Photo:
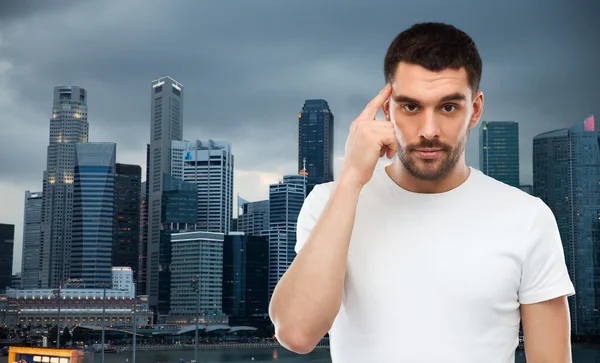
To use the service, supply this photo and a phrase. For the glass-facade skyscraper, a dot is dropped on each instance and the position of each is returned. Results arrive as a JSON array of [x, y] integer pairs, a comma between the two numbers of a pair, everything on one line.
[[68, 126], [32, 222], [93, 213], [566, 173], [126, 239], [285, 202], [178, 213], [7, 242], [499, 151], [315, 142], [245, 275]]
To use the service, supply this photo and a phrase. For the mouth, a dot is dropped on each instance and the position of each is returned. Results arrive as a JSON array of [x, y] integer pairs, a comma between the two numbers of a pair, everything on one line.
[[429, 153]]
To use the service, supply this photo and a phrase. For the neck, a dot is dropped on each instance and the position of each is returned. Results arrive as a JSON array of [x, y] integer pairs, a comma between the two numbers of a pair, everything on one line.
[[398, 173]]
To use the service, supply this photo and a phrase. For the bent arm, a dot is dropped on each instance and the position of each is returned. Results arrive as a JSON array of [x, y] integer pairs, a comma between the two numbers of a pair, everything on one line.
[[308, 297], [547, 331]]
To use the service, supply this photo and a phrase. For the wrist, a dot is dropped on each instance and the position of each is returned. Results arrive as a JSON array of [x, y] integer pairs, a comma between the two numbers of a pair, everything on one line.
[[349, 183]]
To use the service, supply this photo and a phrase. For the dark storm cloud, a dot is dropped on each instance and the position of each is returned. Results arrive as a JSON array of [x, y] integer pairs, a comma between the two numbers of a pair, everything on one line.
[[248, 68], [13, 10]]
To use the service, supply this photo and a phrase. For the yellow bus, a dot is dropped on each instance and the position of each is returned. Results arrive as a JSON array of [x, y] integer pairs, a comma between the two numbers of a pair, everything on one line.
[[44, 355]]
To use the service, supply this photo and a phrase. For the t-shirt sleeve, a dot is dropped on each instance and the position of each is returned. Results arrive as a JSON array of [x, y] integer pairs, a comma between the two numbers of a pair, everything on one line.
[[544, 271], [310, 212]]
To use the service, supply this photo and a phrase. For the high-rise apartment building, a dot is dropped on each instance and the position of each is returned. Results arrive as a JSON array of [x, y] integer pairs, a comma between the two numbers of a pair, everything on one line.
[[315, 142], [166, 125], [32, 223], [68, 127]]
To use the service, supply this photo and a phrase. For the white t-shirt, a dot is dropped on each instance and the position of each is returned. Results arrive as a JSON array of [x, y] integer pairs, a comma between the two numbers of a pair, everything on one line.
[[440, 277]]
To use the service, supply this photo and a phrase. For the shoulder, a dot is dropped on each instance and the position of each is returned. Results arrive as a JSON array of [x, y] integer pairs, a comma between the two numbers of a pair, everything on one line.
[[498, 194]]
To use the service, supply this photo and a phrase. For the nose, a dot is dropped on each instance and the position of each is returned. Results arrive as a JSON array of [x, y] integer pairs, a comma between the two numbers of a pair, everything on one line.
[[429, 126]]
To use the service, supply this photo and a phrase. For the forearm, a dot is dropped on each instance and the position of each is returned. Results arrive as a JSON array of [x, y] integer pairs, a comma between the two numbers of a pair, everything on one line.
[[308, 297]]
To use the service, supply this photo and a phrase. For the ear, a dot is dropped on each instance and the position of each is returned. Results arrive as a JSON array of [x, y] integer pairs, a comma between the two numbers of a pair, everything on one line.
[[386, 109], [477, 109]]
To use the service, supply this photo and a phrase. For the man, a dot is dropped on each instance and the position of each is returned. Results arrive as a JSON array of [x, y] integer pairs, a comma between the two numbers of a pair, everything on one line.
[[426, 259]]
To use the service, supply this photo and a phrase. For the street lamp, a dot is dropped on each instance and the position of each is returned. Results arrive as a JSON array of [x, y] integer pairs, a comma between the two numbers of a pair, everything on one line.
[[57, 295], [103, 319], [196, 289], [134, 322]]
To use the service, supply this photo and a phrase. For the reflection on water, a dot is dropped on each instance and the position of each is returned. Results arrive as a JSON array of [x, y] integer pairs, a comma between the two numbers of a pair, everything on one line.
[[280, 355], [230, 355]]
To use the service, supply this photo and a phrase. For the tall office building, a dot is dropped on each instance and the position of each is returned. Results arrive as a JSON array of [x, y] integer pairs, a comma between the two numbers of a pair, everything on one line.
[[197, 254], [499, 151], [315, 142], [126, 235], [566, 171], [165, 125], [245, 275], [209, 165], [179, 208], [285, 201], [142, 275], [93, 213], [7, 241], [254, 218], [32, 222], [68, 126]]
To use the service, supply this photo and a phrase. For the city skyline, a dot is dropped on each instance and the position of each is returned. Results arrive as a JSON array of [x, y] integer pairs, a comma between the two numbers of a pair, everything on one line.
[[252, 101]]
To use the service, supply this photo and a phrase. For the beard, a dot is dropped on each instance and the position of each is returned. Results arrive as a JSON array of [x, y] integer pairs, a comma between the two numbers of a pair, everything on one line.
[[432, 169]]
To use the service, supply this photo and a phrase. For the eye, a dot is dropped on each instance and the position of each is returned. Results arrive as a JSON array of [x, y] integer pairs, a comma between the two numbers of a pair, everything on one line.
[[449, 108], [410, 107]]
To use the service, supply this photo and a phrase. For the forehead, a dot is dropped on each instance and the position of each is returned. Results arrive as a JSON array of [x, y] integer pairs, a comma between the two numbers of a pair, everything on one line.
[[422, 84]]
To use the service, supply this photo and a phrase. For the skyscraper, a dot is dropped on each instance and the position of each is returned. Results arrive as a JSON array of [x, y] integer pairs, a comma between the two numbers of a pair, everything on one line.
[[165, 125], [126, 236], [7, 240], [32, 222], [285, 201], [93, 213], [143, 245], [197, 254], [68, 126], [566, 171], [245, 275], [315, 142], [255, 217], [499, 151], [179, 209], [209, 165]]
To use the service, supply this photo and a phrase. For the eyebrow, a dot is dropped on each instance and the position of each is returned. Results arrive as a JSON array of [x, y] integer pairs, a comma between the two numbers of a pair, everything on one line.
[[452, 97]]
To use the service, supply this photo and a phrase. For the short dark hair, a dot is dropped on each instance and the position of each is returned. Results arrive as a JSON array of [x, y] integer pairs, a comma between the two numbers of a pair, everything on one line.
[[434, 46]]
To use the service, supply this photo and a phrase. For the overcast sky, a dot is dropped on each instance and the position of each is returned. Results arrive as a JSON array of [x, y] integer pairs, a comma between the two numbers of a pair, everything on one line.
[[247, 70]]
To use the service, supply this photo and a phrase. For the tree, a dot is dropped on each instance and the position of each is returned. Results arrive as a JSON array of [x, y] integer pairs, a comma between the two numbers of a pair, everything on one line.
[[65, 336]]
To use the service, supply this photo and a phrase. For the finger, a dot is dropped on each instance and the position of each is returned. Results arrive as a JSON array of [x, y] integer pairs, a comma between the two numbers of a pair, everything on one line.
[[373, 107], [392, 148]]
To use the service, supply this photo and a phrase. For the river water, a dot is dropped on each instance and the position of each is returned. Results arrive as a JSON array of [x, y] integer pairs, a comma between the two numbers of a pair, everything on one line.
[[280, 355]]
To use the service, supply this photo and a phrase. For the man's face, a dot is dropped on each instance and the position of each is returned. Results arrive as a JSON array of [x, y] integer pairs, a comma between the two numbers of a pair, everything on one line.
[[433, 113]]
